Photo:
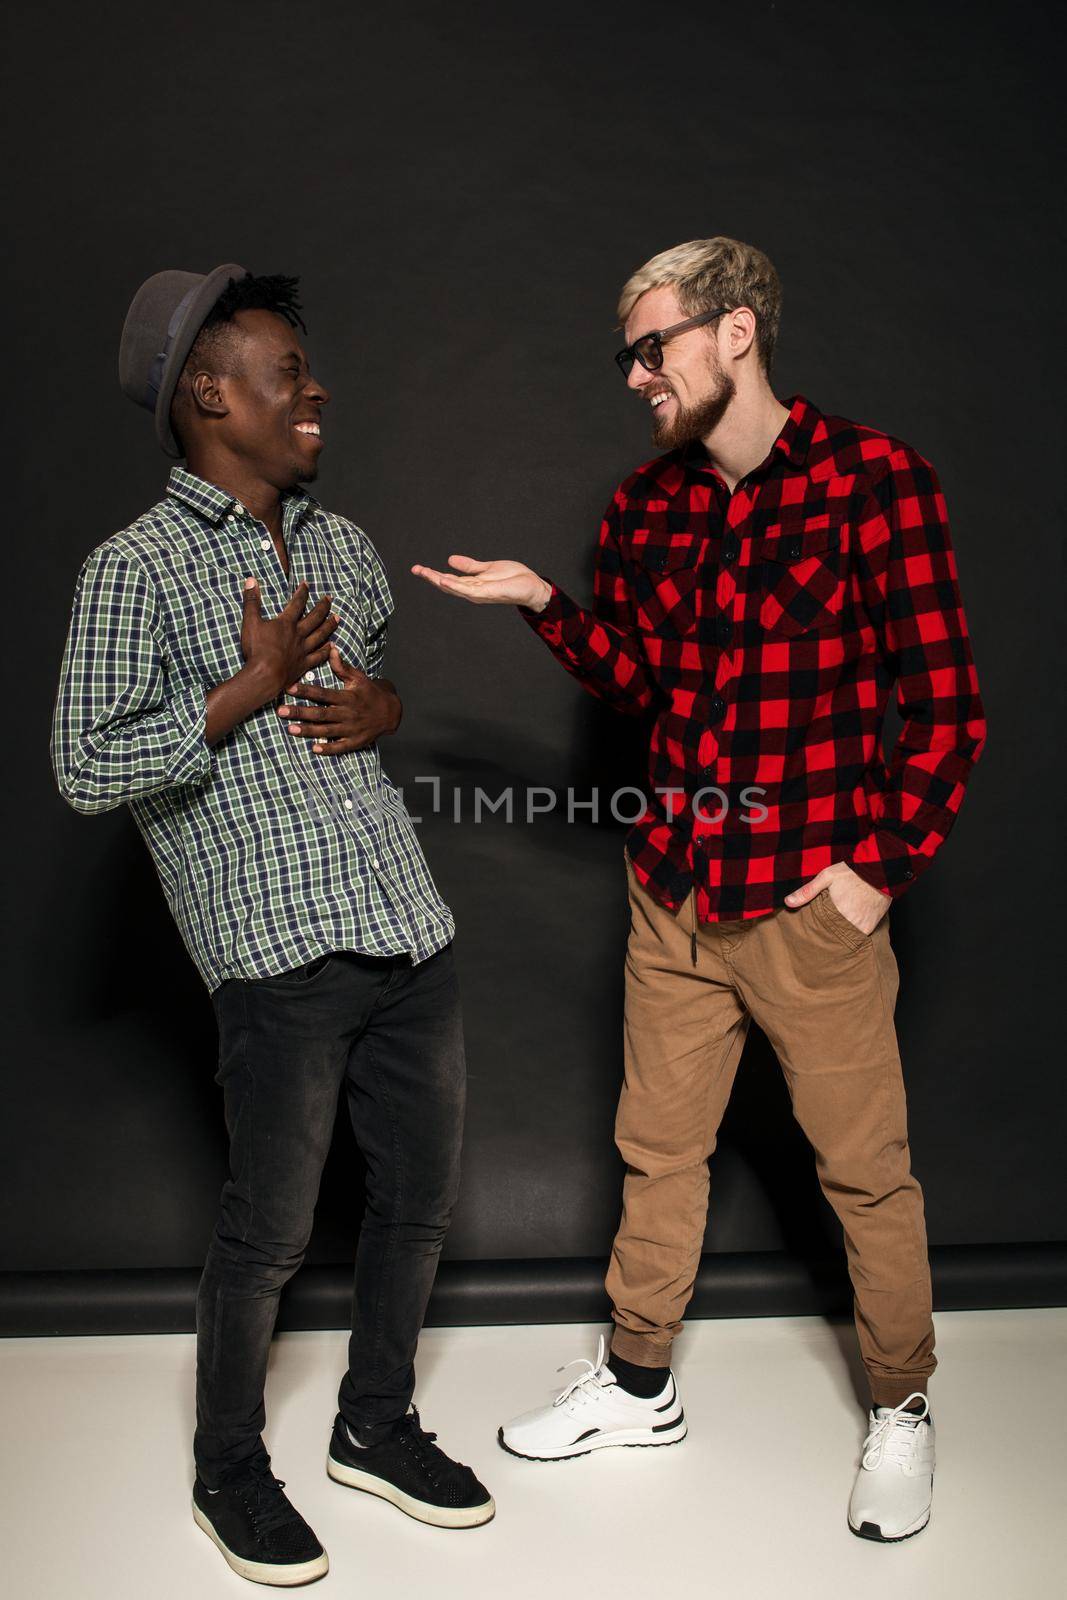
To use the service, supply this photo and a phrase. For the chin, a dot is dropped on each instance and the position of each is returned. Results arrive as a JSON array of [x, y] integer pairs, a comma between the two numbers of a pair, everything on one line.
[[695, 422], [671, 435], [303, 469]]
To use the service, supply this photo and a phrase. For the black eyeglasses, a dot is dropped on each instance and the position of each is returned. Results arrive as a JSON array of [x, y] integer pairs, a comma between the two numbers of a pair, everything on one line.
[[649, 348]]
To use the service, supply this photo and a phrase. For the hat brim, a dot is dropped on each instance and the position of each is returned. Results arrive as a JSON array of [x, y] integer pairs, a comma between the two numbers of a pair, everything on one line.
[[182, 343]]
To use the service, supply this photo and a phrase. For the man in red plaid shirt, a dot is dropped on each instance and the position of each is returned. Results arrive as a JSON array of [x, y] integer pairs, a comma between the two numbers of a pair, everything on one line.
[[760, 591]]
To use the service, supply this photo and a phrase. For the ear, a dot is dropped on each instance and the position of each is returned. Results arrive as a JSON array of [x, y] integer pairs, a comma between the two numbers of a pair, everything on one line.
[[738, 330], [208, 393]]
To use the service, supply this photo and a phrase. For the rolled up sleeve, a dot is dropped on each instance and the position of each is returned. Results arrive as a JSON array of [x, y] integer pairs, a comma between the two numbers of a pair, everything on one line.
[[120, 727]]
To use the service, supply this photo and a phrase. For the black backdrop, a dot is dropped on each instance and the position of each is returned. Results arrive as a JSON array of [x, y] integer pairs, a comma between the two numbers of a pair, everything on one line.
[[463, 189]]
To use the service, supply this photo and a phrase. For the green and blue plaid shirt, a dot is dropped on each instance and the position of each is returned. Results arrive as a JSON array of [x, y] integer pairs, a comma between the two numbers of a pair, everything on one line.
[[269, 855]]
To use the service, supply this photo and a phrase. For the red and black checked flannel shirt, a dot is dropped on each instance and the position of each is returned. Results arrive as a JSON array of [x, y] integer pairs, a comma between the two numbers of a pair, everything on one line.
[[765, 630]]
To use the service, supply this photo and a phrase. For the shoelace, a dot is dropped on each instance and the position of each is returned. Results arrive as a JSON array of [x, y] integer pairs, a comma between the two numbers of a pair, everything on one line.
[[267, 1504], [892, 1438], [587, 1385], [428, 1454]]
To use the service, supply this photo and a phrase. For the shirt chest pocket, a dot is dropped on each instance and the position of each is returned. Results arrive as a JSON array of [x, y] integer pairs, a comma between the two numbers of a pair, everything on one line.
[[666, 571], [800, 576], [204, 624], [207, 626]]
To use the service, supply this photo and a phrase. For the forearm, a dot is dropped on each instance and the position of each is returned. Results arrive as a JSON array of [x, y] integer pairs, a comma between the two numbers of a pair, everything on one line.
[[909, 582], [605, 658], [104, 764], [911, 817], [235, 700], [106, 761]]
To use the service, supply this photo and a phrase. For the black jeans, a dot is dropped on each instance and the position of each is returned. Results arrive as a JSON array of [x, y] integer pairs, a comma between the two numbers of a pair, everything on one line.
[[391, 1034]]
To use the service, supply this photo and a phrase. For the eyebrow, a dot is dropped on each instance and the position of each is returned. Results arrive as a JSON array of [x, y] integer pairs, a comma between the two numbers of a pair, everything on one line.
[[291, 355]]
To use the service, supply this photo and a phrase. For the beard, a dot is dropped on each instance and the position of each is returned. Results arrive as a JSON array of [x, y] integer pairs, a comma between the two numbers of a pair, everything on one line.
[[697, 421]]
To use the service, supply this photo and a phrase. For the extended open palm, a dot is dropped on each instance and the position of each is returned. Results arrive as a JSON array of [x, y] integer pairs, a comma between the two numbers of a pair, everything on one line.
[[489, 583]]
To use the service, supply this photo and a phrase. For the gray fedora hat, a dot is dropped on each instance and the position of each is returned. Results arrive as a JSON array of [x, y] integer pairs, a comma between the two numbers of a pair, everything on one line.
[[161, 326]]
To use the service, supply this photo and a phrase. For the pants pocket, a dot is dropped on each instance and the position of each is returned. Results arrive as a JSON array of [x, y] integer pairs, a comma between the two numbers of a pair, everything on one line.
[[837, 922], [305, 974]]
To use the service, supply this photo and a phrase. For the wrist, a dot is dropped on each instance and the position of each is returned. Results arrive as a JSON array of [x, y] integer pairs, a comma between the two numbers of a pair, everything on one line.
[[256, 685], [231, 702], [542, 597]]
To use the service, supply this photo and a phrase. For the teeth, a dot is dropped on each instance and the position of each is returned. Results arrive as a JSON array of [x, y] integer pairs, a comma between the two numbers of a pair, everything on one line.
[[308, 427], [658, 399]]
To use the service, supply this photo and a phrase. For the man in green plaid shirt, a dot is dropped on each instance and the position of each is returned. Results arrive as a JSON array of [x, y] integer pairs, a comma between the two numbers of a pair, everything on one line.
[[223, 677]]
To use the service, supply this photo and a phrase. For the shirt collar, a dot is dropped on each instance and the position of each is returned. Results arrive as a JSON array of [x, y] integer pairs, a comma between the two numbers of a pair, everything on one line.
[[793, 441], [213, 503], [798, 430]]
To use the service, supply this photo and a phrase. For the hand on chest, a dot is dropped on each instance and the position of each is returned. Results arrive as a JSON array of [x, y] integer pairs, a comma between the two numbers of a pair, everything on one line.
[[206, 614]]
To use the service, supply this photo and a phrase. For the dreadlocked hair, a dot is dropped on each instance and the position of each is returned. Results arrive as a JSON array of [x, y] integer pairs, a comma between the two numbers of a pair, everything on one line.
[[215, 346], [274, 292]]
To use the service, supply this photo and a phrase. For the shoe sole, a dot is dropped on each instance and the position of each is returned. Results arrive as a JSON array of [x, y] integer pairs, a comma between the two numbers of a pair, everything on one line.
[[421, 1510], [279, 1577], [633, 1439]]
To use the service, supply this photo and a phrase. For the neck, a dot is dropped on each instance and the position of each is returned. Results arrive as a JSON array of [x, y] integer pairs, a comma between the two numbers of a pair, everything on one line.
[[746, 432], [262, 499]]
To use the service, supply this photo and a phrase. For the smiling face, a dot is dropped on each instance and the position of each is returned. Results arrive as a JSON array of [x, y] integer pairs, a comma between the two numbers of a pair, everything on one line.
[[265, 410], [690, 393]]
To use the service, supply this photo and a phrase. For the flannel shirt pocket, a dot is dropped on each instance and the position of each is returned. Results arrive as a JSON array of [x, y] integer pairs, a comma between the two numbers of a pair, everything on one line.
[[802, 578], [666, 581]]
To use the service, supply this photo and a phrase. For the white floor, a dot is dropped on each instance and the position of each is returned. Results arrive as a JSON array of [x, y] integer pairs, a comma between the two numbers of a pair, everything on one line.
[[96, 1471]]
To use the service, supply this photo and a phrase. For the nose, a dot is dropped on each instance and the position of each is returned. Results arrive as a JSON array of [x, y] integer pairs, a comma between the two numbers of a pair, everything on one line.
[[639, 378], [317, 392]]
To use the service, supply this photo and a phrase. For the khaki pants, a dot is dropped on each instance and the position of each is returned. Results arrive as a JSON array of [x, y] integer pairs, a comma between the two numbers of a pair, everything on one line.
[[823, 993]]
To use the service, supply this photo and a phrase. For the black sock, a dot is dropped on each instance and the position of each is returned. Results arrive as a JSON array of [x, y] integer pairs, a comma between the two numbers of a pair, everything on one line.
[[643, 1382], [911, 1411]]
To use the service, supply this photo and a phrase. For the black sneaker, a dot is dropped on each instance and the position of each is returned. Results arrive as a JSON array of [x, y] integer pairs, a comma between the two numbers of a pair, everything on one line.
[[261, 1535], [411, 1472]]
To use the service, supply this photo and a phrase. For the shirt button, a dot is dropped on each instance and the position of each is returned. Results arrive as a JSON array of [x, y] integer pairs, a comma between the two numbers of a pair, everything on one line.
[[348, 805], [264, 544], [375, 863], [731, 550], [724, 630], [717, 708]]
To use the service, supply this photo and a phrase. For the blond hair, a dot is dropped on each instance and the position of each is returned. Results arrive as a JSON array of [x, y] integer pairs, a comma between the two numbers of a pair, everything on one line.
[[714, 272]]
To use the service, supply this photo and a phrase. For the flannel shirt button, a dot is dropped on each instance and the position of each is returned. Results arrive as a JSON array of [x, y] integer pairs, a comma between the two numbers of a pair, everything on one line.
[[792, 549], [656, 559], [908, 872], [731, 550], [264, 544], [724, 630], [348, 805], [716, 708]]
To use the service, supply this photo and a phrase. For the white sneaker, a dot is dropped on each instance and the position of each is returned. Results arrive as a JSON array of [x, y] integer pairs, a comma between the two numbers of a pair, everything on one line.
[[895, 1483], [593, 1412]]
